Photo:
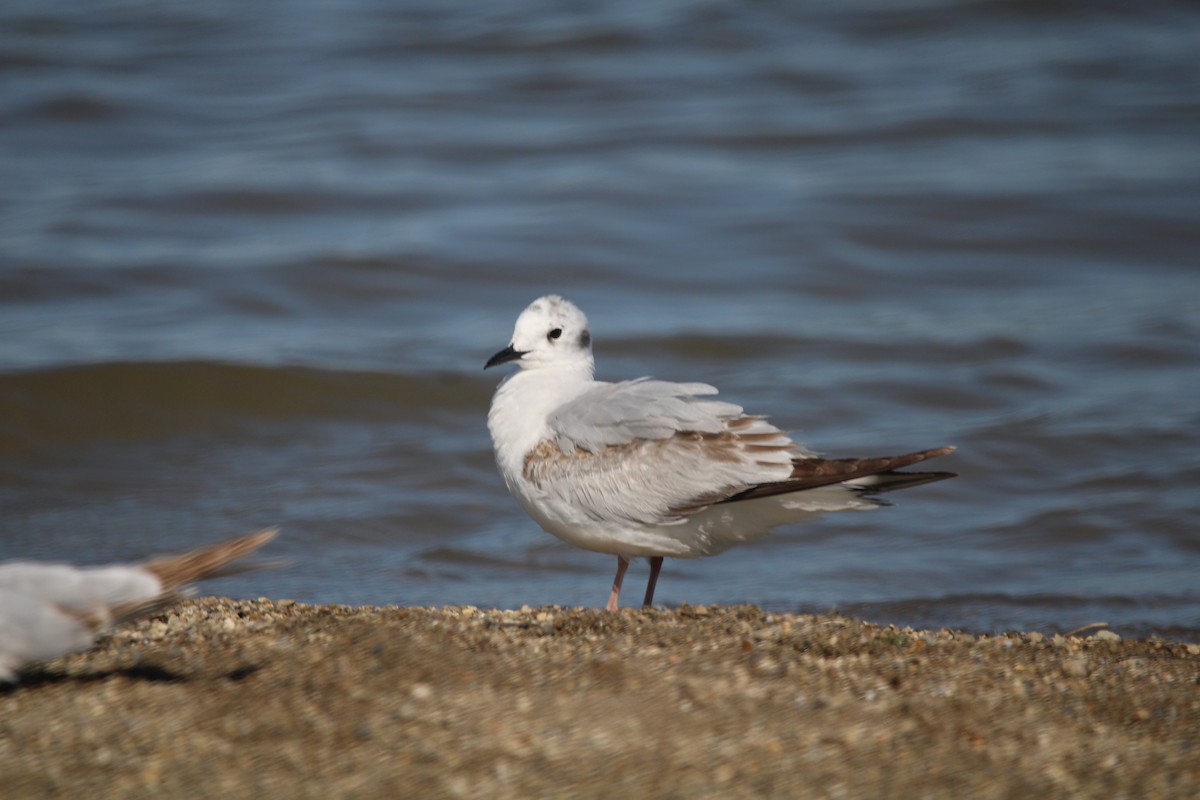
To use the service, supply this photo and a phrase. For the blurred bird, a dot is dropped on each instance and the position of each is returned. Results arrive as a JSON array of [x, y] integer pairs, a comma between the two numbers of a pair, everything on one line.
[[49, 609]]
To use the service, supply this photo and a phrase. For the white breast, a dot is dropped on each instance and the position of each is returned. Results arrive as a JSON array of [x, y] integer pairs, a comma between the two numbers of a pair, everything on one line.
[[520, 408]]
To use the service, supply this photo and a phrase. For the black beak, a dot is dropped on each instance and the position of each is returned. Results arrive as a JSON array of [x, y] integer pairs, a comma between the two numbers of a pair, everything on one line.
[[504, 356]]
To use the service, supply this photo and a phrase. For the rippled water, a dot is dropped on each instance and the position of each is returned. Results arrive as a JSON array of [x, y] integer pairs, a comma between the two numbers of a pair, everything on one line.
[[252, 258]]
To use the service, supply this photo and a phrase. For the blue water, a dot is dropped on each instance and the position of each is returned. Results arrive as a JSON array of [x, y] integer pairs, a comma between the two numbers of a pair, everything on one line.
[[252, 259]]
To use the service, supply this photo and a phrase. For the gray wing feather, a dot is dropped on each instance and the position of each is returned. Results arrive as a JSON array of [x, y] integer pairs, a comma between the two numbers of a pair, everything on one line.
[[652, 452], [621, 413]]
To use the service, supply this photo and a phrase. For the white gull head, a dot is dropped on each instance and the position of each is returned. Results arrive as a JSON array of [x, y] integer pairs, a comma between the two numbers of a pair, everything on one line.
[[550, 333]]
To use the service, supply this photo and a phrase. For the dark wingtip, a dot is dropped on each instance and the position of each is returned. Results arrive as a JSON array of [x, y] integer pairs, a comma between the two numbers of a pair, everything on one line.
[[891, 481]]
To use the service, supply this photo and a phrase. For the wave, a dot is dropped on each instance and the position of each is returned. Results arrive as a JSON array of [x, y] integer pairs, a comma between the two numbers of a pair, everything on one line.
[[146, 399], [1150, 614]]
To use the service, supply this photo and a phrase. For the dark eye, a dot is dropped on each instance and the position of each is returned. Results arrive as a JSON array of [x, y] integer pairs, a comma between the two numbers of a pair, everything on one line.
[[554, 334]]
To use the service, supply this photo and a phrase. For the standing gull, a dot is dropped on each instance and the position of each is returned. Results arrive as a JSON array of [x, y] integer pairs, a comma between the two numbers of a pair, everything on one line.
[[652, 468], [48, 610]]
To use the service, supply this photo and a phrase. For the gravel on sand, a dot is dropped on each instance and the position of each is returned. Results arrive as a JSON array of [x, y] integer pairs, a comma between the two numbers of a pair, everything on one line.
[[222, 698]]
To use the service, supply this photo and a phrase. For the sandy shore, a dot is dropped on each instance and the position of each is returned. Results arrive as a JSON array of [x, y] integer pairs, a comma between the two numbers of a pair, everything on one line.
[[222, 698]]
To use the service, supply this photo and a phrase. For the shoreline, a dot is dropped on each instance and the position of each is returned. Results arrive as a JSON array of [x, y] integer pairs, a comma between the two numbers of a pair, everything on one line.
[[216, 698]]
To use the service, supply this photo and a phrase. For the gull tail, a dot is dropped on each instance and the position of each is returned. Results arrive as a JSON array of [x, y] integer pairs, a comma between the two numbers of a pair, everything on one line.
[[868, 475]]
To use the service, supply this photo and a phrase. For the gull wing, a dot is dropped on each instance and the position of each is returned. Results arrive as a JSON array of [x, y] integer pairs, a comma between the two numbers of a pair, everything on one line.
[[651, 452], [870, 475], [622, 413]]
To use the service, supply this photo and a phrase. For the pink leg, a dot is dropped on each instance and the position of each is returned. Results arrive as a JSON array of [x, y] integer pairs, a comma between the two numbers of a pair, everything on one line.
[[622, 565], [655, 568]]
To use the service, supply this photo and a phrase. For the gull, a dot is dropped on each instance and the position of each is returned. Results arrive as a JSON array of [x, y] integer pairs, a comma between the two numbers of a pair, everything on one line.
[[51, 609], [649, 468]]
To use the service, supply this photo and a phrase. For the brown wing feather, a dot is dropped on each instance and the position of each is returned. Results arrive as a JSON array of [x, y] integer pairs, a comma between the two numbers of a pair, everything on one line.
[[206, 562], [811, 473]]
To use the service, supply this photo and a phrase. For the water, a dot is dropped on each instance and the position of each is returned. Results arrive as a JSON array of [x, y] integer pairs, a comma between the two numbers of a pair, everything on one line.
[[253, 256]]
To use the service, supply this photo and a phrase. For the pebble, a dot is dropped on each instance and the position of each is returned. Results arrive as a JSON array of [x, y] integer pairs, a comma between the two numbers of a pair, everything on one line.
[[1076, 667]]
